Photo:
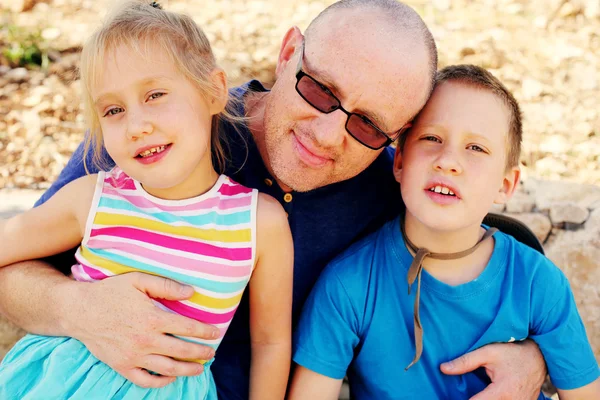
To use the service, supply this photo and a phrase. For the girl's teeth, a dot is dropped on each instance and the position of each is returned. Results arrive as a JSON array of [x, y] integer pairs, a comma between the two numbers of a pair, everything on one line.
[[445, 191], [442, 190], [152, 151]]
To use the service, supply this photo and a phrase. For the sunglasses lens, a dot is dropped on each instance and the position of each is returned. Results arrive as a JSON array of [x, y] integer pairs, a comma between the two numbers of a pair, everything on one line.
[[364, 132], [316, 96]]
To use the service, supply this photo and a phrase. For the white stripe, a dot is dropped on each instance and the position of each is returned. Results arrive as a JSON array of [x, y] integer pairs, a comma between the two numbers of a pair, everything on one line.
[[180, 253]]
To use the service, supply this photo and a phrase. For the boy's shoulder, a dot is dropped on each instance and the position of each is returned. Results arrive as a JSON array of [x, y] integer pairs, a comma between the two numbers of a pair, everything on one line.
[[528, 263]]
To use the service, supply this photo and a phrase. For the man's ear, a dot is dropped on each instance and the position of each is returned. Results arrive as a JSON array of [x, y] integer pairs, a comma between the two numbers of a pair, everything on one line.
[[398, 164], [219, 100], [291, 41], [509, 185]]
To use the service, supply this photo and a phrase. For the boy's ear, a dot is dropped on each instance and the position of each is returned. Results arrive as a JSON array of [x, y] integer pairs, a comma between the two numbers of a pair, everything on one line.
[[219, 101], [509, 184], [398, 164], [292, 39]]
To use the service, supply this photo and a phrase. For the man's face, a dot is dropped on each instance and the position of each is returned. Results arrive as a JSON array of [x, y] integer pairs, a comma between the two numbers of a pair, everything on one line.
[[379, 75], [453, 165]]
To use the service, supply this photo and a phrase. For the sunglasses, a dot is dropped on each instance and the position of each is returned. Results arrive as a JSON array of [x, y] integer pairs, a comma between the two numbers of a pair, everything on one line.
[[358, 126]]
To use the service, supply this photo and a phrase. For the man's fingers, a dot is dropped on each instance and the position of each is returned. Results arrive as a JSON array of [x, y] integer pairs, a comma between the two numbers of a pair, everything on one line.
[[161, 288], [170, 368], [179, 325], [467, 362], [177, 348], [145, 379]]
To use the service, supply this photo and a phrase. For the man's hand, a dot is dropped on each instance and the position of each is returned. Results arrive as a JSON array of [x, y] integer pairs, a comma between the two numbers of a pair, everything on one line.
[[121, 326], [517, 370]]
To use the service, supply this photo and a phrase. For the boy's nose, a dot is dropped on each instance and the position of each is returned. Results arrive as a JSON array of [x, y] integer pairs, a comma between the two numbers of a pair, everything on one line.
[[448, 162]]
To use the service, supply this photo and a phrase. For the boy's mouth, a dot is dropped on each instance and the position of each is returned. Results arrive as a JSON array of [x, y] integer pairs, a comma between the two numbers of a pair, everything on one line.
[[442, 190]]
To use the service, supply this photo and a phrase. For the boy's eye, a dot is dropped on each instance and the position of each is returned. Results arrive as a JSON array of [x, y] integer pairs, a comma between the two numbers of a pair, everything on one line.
[[113, 111], [431, 138]]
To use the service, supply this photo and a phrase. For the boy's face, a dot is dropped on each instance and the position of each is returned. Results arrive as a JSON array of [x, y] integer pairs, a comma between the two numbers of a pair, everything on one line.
[[458, 146]]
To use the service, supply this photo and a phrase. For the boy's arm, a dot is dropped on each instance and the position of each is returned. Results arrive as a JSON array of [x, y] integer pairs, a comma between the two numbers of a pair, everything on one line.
[[307, 384], [587, 392], [271, 303], [56, 226]]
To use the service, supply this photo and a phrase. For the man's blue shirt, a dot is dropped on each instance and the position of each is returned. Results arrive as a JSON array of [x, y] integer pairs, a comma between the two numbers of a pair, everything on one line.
[[359, 320], [323, 222]]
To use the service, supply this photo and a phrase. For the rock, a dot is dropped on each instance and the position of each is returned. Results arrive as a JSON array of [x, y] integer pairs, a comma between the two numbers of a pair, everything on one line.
[[520, 203], [577, 254], [568, 213], [548, 192], [538, 223], [554, 144], [531, 88], [17, 75]]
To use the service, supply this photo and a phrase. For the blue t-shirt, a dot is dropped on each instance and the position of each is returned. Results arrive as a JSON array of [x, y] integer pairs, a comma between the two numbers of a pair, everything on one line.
[[323, 222], [358, 320]]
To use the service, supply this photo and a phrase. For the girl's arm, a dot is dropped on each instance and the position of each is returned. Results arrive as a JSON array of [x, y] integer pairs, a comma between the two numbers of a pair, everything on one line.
[[271, 303], [587, 392], [51, 228]]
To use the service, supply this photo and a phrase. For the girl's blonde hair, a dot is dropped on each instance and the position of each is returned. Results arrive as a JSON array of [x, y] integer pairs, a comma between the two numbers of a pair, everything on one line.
[[138, 24]]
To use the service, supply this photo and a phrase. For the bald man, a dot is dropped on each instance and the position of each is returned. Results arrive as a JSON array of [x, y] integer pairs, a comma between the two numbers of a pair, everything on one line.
[[317, 142]]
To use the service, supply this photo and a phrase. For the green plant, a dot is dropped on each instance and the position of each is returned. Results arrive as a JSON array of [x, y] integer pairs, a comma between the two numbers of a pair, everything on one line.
[[24, 48]]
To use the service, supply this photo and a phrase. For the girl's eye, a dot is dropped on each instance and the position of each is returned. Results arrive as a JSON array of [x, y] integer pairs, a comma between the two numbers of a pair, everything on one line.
[[156, 95], [476, 148], [113, 111]]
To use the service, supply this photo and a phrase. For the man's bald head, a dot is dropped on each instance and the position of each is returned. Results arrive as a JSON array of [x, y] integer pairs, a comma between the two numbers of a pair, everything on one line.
[[394, 18]]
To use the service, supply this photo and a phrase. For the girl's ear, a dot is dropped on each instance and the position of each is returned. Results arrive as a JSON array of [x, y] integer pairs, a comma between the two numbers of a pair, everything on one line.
[[509, 184], [398, 164], [219, 101]]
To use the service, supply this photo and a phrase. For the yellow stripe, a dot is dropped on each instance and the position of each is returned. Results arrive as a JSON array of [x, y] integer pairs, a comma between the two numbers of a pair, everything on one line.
[[111, 266], [197, 298], [211, 302], [233, 236]]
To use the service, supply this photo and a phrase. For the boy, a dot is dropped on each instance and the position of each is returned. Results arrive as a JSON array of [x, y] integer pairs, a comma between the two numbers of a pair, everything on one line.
[[468, 285]]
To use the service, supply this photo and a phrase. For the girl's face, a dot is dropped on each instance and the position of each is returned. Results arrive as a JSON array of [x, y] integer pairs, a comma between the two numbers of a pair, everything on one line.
[[156, 124]]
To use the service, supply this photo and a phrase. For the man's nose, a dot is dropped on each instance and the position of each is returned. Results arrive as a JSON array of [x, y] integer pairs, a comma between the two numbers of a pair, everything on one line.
[[448, 161], [330, 129], [138, 124]]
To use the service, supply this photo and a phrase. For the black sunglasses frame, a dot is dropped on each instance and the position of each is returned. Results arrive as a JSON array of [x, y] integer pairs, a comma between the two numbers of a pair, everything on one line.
[[389, 138]]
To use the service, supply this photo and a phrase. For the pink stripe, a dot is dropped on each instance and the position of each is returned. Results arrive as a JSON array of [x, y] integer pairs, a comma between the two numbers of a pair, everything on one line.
[[173, 260], [92, 272], [120, 181], [200, 315], [156, 239], [222, 204], [228, 190]]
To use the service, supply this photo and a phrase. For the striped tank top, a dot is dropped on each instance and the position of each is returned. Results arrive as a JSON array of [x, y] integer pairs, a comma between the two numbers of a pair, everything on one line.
[[208, 242]]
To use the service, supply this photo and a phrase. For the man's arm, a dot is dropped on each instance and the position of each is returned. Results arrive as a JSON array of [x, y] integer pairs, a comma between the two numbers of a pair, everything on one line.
[[517, 370]]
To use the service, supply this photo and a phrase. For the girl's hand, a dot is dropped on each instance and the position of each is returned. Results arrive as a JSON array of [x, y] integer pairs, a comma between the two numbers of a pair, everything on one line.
[[121, 326]]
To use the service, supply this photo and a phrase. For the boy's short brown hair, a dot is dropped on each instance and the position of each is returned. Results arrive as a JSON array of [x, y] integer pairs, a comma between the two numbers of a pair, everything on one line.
[[481, 78]]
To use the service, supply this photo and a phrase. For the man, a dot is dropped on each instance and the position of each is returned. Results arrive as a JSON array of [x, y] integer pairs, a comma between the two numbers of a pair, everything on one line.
[[317, 143]]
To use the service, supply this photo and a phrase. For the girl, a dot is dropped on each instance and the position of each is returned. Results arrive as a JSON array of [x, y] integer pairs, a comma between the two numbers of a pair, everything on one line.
[[153, 96]]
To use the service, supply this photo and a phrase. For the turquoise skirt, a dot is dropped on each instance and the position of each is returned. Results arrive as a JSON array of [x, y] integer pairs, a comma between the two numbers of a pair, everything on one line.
[[44, 367]]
